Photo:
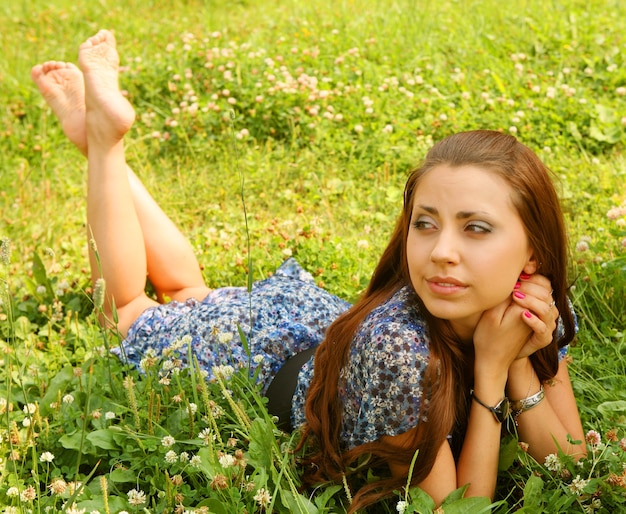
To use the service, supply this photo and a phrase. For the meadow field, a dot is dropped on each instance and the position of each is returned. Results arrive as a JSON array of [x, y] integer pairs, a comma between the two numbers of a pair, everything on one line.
[[270, 129]]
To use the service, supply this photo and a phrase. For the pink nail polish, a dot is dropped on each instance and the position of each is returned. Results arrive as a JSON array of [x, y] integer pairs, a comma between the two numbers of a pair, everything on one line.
[[519, 294], [524, 276], [518, 285], [528, 314]]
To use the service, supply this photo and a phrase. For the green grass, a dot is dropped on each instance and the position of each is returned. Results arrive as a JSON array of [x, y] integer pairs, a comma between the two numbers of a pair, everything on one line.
[[323, 180]]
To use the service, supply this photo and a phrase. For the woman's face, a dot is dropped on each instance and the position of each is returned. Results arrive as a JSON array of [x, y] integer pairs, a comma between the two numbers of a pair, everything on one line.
[[466, 246]]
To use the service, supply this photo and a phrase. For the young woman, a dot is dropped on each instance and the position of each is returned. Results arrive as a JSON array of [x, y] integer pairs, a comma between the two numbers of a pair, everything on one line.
[[466, 312]]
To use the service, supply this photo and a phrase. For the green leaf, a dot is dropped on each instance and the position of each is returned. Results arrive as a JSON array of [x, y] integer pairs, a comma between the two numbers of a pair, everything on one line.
[[421, 499], [322, 498], [261, 443], [116, 504], [605, 114], [532, 492], [573, 130], [22, 328], [455, 495], [508, 452], [123, 475], [39, 272], [473, 505], [617, 407], [297, 504], [56, 387], [72, 441], [103, 439], [216, 506]]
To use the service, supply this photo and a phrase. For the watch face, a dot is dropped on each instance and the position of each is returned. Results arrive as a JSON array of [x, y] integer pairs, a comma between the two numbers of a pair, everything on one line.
[[502, 410]]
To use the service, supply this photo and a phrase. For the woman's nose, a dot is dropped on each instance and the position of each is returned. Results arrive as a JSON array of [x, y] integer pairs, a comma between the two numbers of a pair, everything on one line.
[[446, 248]]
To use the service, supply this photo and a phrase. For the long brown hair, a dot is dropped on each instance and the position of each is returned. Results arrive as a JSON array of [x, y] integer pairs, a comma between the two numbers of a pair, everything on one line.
[[447, 378]]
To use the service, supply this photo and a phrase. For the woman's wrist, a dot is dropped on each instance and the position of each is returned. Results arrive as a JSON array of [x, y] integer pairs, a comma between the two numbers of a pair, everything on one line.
[[522, 380]]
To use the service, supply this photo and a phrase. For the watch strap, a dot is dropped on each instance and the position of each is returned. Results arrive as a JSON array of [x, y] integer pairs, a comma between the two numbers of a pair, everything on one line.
[[500, 411]]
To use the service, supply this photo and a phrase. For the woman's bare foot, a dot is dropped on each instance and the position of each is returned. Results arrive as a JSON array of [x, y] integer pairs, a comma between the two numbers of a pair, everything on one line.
[[61, 85], [109, 114]]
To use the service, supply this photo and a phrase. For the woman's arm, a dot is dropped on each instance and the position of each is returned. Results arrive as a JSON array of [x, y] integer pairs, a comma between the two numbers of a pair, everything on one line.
[[441, 480], [555, 420], [478, 465]]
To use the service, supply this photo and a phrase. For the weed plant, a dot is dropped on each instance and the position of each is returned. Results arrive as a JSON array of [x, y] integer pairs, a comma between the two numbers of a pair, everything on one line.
[[323, 108]]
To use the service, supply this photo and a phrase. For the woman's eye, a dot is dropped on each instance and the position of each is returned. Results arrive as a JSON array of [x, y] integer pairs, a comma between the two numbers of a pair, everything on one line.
[[423, 224], [478, 228]]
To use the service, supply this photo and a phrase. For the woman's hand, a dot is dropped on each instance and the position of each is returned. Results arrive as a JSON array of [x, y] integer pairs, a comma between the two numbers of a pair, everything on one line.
[[516, 328], [535, 296]]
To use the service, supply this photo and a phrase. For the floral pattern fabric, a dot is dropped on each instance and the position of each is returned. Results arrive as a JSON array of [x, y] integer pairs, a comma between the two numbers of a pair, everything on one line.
[[380, 386], [281, 316]]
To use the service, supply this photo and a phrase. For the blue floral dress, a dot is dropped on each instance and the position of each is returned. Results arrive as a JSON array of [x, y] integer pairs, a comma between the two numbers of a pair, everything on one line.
[[282, 315], [380, 386]]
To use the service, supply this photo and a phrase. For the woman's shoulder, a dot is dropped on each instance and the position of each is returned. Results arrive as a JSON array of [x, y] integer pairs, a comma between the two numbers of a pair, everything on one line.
[[381, 384], [393, 327], [400, 311]]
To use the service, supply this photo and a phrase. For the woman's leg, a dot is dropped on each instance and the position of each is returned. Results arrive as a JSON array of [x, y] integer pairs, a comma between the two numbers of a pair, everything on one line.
[[173, 268], [171, 263], [111, 216]]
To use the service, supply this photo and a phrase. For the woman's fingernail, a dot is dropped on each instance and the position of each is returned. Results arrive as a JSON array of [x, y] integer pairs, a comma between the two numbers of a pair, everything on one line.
[[524, 276], [528, 314], [519, 294], [518, 285]]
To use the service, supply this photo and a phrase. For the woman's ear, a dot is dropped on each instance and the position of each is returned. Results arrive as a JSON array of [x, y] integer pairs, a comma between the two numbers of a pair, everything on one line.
[[531, 265]]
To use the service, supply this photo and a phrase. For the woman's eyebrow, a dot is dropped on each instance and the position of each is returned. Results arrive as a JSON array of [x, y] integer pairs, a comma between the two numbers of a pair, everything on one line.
[[461, 215]]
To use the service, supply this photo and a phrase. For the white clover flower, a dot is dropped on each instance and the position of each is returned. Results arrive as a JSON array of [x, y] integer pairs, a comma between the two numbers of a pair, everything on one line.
[[46, 457], [552, 462], [195, 461], [68, 398], [225, 337], [577, 485], [109, 415], [171, 457], [193, 408], [28, 494], [262, 497], [136, 497], [12, 491], [168, 441], [223, 371], [582, 246], [26, 422], [183, 457], [227, 461], [401, 506], [207, 435], [593, 506], [57, 486], [29, 408]]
